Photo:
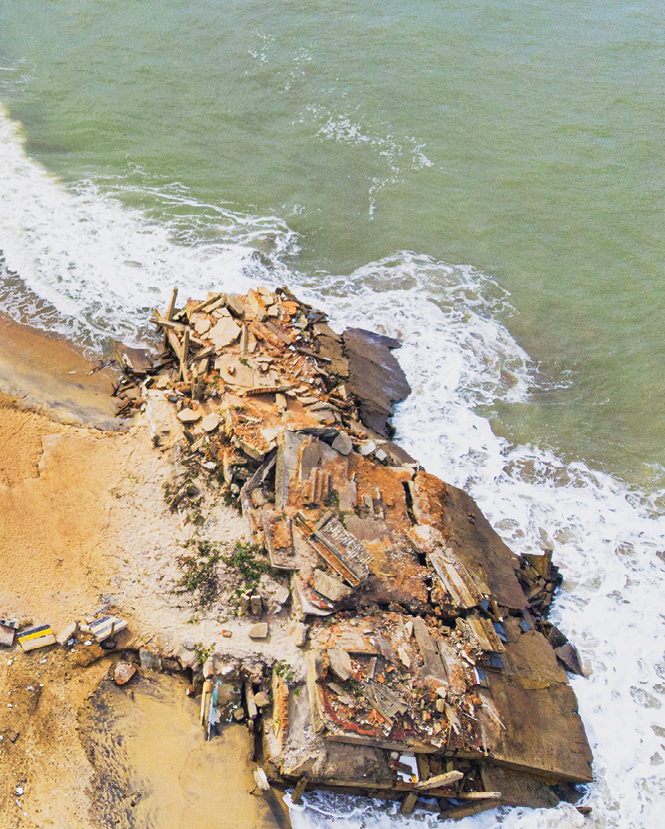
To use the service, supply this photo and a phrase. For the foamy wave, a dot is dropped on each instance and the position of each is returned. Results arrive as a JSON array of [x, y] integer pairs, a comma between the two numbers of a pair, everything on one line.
[[104, 265], [607, 539], [391, 149]]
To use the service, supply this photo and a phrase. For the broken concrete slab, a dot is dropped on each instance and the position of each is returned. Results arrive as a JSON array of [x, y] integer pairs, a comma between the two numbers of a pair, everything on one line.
[[66, 634], [123, 672], [447, 618], [165, 428], [7, 634], [224, 333], [210, 422], [189, 416], [259, 631], [343, 443], [570, 659], [375, 377], [479, 548], [340, 663], [517, 789], [330, 587]]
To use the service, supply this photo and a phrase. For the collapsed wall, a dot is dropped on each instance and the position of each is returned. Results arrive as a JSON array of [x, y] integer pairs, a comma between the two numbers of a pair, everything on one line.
[[430, 669]]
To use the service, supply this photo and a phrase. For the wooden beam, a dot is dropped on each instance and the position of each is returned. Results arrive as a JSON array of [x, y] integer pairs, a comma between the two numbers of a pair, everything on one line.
[[184, 354], [441, 780], [158, 319], [171, 308], [205, 303], [478, 796], [169, 311]]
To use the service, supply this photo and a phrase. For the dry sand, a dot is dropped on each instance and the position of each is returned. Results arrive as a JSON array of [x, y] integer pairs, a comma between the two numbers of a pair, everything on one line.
[[84, 525]]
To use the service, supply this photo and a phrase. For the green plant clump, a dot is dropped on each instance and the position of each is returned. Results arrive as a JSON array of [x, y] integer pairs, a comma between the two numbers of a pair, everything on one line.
[[203, 653], [284, 670], [248, 566], [200, 574]]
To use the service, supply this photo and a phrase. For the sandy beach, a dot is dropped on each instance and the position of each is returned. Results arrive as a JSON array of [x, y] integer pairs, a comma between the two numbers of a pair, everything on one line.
[[84, 525]]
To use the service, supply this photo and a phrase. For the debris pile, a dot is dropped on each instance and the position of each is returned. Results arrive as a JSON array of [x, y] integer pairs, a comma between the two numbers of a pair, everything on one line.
[[429, 668]]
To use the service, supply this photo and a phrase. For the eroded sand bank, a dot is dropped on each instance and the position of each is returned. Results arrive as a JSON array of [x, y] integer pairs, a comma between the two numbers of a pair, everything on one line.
[[83, 525]]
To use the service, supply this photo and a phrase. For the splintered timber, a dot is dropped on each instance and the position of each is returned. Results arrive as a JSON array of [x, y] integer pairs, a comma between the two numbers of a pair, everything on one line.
[[429, 667]]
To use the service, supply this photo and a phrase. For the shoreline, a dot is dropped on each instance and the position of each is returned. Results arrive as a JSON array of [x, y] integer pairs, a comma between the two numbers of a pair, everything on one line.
[[62, 453], [100, 532], [52, 376]]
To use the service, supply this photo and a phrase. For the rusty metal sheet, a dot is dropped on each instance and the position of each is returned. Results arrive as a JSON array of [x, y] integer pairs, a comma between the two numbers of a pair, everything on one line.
[[279, 540], [331, 532], [455, 578]]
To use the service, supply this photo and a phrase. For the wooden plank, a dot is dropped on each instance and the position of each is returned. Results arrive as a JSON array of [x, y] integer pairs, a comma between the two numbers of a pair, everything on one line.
[[171, 338], [453, 665], [107, 626], [439, 781], [184, 353], [35, 637], [458, 812], [39, 643], [169, 312], [484, 632], [205, 701], [432, 663], [478, 796], [34, 632], [162, 322], [455, 578], [200, 306], [171, 308]]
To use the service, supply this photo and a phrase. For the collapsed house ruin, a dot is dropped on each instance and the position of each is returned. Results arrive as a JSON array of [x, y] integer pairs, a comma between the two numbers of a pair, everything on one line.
[[431, 672]]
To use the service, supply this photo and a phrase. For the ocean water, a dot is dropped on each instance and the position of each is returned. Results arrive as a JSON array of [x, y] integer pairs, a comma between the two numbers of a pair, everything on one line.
[[483, 181]]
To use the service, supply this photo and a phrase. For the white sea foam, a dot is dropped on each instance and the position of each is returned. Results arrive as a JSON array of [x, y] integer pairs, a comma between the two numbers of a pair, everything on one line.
[[391, 150], [607, 540], [103, 266]]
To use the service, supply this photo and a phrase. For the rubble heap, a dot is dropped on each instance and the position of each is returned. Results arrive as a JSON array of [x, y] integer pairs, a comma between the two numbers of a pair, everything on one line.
[[430, 666]]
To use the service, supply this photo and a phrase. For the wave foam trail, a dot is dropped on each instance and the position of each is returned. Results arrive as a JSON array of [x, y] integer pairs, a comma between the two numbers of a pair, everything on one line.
[[102, 266], [608, 540]]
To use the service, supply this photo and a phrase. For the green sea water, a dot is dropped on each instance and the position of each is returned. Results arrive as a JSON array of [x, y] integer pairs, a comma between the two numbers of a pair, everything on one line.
[[482, 179], [522, 139]]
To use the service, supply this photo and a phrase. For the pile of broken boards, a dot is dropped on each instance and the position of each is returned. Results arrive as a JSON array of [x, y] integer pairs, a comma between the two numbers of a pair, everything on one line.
[[430, 664], [261, 343], [100, 628]]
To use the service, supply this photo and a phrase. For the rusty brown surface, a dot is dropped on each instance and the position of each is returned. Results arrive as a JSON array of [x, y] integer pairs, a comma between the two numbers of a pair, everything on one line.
[[437, 643]]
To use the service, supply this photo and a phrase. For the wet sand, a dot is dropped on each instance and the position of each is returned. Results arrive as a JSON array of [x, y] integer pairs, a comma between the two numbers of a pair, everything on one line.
[[53, 376], [155, 771]]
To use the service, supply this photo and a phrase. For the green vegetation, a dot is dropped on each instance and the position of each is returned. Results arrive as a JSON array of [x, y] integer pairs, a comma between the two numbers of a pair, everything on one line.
[[249, 568], [200, 572], [332, 499], [284, 670], [203, 653]]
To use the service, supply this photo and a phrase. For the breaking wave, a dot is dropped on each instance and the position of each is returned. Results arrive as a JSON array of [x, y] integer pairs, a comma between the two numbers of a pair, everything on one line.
[[101, 267], [86, 266]]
